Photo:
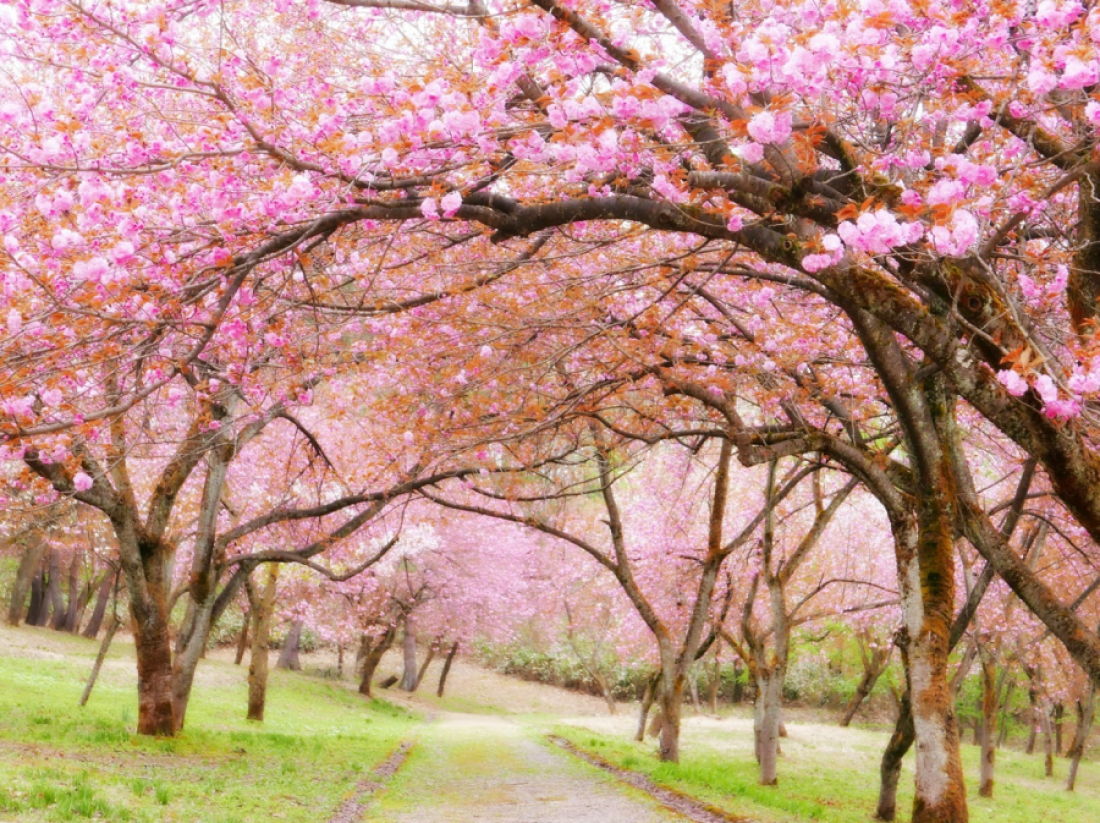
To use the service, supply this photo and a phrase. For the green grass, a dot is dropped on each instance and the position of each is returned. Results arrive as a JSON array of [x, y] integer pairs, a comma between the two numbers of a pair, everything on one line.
[[831, 775], [59, 762]]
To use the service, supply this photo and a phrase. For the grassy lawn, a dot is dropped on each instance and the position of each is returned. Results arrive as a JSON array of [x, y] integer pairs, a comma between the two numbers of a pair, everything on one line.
[[61, 762], [831, 774]]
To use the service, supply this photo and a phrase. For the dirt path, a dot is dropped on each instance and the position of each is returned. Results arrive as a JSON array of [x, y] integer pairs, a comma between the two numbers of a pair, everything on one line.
[[489, 770]]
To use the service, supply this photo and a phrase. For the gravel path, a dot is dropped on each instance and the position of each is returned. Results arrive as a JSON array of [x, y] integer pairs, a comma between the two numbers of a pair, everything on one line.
[[488, 770]]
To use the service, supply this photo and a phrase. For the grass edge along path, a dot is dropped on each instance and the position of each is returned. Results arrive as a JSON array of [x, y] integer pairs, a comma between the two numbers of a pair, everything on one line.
[[672, 799], [827, 780], [353, 809]]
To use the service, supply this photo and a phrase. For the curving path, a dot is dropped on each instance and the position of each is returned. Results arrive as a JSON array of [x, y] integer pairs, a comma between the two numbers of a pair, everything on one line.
[[479, 769]]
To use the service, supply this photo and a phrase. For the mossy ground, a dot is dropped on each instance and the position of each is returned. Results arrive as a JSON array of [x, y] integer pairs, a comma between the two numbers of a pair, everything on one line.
[[59, 762]]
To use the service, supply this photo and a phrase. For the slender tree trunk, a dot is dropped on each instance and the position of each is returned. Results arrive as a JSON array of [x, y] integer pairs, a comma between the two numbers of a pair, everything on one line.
[[714, 684], [693, 683], [1086, 710], [446, 669], [1048, 742], [672, 701], [769, 695], [962, 671], [53, 592], [989, 724], [72, 613], [1032, 673], [374, 651], [424, 668], [24, 577], [890, 769], [1005, 704], [102, 598], [262, 606], [408, 646], [38, 598], [648, 697], [45, 609], [758, 721], [876, 665], [605, 691], [112, 627], [1059, 719], [288, 657], [242, 639]]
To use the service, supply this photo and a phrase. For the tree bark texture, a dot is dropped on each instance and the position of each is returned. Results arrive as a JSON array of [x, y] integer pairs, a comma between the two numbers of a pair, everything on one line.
[[288, 657], [38, 603], [29, 564], [374, 650], [408, 649], [769, 694], [112, 627], [446, 669], [424, 668], [890, 769], [76, 595], [989, 725], [875, 662], [101, 601], [648, 696], [1086, 710], [262, 606], [242, 638]]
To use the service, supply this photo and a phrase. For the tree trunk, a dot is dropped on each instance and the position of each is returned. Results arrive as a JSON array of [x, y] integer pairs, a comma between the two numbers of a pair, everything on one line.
[[242, 639], [1005, 704], [288, 657], [713, 685], [72, 613], [862, 691], [262, 605], [1035, 721], [28, 568], [605, 691], [1048, 742], [989, 724], [372, 656], [926, 581], [424, 668], [1086, 710], [45, 609], [112, 627], [769, 696], [446, 669], [104, 596], [38, 598], [672, 701], [890, 769], [153, 647], [648, 697], [53, 592], [1059, 719], [408, 676]]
